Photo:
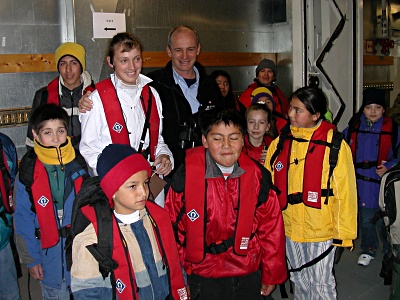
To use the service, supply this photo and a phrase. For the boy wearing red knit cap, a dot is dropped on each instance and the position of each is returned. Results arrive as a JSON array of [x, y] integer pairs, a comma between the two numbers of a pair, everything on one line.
[[143, 249]]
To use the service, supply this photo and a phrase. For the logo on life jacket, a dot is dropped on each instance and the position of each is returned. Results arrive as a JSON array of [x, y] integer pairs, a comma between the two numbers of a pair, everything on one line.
[[43, 201], [119, 285], [117, 127], [193, 215], [278, 166]]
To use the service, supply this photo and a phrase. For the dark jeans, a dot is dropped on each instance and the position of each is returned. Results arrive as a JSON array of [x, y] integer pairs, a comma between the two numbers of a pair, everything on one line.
[[369, 239], [230, 288]]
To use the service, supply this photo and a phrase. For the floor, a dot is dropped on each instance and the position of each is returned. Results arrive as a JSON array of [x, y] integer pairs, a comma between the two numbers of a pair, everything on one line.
[[353, 281]]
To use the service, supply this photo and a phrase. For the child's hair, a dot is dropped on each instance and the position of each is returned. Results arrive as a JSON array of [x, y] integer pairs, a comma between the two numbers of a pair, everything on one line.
[[313, 99], [47, 112], [126, 40], [217, 116], [259, 106]]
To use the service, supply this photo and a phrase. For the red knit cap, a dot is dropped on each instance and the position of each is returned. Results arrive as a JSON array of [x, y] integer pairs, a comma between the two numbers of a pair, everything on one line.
[[116, 164]]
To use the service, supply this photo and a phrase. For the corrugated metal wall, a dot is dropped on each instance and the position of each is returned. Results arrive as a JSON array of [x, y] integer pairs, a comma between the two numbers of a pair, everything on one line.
[[38, 26]]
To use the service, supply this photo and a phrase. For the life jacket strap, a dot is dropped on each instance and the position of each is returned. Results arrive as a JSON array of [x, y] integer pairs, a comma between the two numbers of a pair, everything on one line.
[[220, 246], [63, 232], [297, 198], [366, 164], [366, 178]]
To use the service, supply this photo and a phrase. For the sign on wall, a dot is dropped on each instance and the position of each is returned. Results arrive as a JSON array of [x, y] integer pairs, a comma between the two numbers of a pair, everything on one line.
[[106, 25]]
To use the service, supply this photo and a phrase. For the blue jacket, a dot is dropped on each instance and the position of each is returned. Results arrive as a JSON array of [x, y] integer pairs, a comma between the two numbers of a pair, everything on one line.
[[11, 154], [367, 150], [29, 247]]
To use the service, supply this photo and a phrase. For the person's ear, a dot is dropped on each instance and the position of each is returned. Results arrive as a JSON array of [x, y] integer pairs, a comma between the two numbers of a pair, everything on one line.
[[109, 62], [204, 141], [198, 48], [35, 135], [316, 116], [169, 51]]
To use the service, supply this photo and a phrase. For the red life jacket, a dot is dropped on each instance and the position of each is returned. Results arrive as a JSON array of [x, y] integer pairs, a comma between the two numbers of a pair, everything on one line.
[[44, 206], [196, 205], [313, 166], [5, 184], [385, 141], [52, 91], [124, 275], [115, 118]]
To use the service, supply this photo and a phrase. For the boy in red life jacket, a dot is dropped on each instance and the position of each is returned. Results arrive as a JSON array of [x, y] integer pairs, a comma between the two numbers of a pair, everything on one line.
[[146, 259], [374, 140], [50, 176], [257, 138], [227, 220], [66, 89]]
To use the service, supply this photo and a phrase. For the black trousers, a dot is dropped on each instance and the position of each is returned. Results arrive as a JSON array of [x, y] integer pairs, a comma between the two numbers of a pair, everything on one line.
[[229, 288]]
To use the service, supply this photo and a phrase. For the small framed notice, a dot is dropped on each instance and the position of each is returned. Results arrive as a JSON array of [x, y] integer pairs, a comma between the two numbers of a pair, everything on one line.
[[106, 25]]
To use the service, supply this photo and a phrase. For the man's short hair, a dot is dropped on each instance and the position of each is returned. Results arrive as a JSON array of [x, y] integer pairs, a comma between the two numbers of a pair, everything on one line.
[[46, 113], [217, 116], [182, 28]]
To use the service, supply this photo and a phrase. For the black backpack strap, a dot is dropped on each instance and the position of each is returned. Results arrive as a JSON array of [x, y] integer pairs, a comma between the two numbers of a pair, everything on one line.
[[333, 158], [265, 184], [314, 261], [178, 185], [27, 167], [102, 251], [147, 120], [282, 138]]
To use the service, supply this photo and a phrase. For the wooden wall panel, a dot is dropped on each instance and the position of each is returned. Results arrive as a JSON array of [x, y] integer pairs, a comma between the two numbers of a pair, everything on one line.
[[23, 63]]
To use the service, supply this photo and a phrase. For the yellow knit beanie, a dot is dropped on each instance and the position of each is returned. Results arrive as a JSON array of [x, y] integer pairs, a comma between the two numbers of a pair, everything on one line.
[[72, 49]]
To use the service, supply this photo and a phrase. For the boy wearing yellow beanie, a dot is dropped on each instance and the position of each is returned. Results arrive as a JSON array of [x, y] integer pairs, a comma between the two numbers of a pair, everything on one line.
[[66, 89]]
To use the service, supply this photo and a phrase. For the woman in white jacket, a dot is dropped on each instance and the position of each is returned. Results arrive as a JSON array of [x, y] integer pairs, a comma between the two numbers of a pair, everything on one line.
[[119, 110]]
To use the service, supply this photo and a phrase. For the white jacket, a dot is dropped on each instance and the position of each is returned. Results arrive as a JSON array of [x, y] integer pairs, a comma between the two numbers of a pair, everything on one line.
[[94, 128]]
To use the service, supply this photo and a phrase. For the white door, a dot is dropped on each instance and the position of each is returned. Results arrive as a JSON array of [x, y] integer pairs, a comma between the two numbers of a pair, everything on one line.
[[327, 52]]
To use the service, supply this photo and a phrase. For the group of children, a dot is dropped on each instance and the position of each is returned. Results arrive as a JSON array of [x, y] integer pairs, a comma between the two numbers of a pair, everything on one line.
[[225, 231]]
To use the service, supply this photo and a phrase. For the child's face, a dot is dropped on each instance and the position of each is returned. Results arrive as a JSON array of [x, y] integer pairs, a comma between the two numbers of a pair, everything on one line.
[[223, 85], [257, 123], [53, 133], [133, 194], [224, 142], [299, 115], [70, 70], [266, 101], [127, 65], [373, 112]]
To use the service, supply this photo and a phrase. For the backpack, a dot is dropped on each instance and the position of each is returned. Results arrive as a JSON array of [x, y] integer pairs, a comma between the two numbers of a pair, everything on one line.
[[92, 194], [389, 201]]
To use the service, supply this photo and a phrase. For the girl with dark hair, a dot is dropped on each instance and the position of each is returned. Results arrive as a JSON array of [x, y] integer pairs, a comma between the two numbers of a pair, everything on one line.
[[126, 110], [224, 82], [319, 202]]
